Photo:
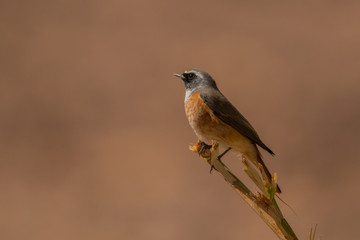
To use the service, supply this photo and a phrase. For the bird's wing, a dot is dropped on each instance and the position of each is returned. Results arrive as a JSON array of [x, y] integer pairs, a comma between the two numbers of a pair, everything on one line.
[[224, 110]]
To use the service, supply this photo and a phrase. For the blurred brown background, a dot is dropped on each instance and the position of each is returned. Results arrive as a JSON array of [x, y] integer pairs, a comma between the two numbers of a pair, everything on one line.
[[94, 139]]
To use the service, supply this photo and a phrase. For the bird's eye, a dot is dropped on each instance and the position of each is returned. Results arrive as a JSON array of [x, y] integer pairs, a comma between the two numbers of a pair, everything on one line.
[[190, 76]]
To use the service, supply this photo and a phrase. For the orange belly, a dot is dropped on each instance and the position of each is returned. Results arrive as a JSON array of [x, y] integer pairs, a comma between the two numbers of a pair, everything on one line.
[[208, 127]]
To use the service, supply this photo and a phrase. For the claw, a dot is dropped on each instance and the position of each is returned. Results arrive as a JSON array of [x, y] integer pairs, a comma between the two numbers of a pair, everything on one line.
[[211, 168], [204, 146]]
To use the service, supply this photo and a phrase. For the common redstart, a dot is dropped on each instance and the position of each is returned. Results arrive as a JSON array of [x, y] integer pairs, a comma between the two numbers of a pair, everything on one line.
[[213, 117]]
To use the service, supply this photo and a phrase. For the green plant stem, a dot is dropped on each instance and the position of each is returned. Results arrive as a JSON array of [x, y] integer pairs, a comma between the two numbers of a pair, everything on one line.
[[265, 206]]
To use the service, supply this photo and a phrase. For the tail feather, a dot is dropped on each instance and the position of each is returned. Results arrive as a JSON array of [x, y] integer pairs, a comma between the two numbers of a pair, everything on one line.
[[266, 170]]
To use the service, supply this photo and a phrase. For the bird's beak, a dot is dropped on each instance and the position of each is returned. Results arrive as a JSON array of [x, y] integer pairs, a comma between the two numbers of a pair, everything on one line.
[[179, 75]]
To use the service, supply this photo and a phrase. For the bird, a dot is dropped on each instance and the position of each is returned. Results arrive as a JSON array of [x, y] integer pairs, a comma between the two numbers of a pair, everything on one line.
[[213, 117]]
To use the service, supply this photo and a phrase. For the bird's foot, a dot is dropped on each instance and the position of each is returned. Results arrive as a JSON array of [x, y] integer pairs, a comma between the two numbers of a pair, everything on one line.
[[204, 147]]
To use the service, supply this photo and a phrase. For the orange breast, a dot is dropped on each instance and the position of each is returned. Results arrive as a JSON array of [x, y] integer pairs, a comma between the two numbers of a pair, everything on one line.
[[197, 112], [205, 124], [208, 127]]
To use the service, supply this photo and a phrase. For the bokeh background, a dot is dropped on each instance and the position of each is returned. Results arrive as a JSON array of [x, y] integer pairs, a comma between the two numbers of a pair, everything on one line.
[[93, 135]]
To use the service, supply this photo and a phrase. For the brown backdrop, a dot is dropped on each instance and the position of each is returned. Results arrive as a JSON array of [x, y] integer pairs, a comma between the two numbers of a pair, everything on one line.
[[94, 139]]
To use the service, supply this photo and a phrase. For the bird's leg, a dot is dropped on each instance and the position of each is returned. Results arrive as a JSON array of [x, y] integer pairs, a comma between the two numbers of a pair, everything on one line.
[[219, 157]]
